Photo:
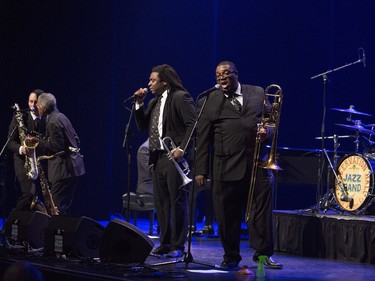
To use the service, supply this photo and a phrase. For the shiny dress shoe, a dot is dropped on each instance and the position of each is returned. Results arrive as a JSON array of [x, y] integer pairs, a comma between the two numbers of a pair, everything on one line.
[[161, 250], [175, 254], [270, 263], [229, 265]]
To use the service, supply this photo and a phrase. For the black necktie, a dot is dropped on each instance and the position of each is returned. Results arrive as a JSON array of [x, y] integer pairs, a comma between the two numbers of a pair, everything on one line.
[[154, 132], [232, 98]]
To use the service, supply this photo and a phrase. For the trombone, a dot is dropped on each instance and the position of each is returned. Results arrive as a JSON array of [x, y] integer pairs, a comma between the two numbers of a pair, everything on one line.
[[268, 120], [182, 165]]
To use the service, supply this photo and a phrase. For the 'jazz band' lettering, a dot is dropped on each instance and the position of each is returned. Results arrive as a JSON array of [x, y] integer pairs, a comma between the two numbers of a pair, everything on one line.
[[352, 182]]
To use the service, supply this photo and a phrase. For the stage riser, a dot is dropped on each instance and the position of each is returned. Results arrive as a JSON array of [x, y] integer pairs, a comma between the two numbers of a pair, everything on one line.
[[325, 237]]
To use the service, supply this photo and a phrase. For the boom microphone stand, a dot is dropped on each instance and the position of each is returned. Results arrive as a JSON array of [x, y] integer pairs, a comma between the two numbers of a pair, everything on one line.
[[188, 257], [127, 144], [3, 173], [361, 59]]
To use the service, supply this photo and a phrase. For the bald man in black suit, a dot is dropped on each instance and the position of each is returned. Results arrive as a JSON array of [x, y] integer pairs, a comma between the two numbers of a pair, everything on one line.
[[226, 135]]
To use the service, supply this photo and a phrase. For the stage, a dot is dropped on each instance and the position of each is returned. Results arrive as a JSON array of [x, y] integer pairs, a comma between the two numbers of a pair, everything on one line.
[[311, 246], [326, 235]]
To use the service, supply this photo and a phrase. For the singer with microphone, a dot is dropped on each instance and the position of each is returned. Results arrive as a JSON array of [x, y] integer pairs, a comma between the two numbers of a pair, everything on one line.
[[33, 123], [170, 113], [226, 137]]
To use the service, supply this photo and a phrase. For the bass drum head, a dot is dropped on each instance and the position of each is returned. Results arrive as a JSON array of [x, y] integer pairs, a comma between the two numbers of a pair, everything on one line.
[[357, 182]]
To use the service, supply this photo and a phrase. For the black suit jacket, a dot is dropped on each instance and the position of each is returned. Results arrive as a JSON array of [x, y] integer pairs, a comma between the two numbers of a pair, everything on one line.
[[179, 117], [228, 134], [60, 135]]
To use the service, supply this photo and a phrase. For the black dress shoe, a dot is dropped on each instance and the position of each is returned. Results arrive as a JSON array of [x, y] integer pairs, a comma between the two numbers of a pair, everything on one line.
[[269, 262], [161, 250], [229, 265], [175, 254]]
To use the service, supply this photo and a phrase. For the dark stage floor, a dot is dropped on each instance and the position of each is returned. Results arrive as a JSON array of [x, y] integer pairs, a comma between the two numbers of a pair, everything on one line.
[[206, 253]]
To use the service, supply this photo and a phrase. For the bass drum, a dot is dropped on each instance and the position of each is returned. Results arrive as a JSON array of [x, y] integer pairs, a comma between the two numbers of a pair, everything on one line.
[[356, 174]]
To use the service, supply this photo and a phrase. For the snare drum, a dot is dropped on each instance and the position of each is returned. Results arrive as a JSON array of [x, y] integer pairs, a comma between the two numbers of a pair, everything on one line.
[[357, 177]]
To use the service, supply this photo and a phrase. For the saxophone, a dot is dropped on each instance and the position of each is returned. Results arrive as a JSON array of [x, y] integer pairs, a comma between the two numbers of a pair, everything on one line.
[[49, 204], [31, 143]]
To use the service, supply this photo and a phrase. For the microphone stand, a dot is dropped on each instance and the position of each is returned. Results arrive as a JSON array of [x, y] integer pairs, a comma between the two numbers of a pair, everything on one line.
[[188, 257], [3, 185], [340, 184], [126, 143], [322, 158]]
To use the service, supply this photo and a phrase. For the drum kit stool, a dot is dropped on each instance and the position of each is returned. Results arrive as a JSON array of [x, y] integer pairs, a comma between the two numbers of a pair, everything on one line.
[[354, 173]]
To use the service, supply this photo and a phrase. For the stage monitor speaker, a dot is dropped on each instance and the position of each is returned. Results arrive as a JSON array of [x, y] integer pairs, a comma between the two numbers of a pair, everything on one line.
[[73, 237], [26, 226], [122, 242]]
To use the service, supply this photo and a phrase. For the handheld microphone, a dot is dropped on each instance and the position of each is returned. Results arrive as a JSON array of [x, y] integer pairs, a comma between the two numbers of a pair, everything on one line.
[[209, 91], [364, 58], [145, 90]]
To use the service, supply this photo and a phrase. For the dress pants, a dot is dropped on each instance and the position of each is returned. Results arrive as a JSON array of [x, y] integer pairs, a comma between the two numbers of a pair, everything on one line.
[[230, 201], [62, 193], [170, 202]]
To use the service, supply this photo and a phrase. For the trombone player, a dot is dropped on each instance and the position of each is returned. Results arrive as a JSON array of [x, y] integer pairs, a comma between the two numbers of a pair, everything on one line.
[[226, 136], [171, 114]]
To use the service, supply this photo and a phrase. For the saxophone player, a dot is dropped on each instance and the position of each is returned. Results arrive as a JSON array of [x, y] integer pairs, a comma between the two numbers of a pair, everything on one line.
[[61, 140], [32, 122]]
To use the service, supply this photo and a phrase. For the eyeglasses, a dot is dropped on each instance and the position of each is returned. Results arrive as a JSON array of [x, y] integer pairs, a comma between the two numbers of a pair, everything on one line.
[[225, 74]]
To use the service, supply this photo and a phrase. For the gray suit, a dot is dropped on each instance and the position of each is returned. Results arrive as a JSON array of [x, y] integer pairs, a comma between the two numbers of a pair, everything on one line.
[[64, 170]]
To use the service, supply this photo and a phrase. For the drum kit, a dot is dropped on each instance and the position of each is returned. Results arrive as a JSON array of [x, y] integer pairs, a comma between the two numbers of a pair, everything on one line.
[[354, 173]]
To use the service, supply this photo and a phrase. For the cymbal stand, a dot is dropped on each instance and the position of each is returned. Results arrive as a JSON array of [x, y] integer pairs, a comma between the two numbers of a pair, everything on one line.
[[328, 198], [356, 142], [327, 201]]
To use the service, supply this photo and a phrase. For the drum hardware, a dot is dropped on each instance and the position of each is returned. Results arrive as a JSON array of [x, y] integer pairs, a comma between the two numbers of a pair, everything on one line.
[[351, 111], [357, 174], [358, 126], [336, 144], [327, 201], [342, 187], [367, 144]]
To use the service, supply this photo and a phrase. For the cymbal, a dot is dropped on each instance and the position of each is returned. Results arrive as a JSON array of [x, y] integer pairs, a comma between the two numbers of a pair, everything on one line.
[[356, 127], [351, 110], [370, 125]]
